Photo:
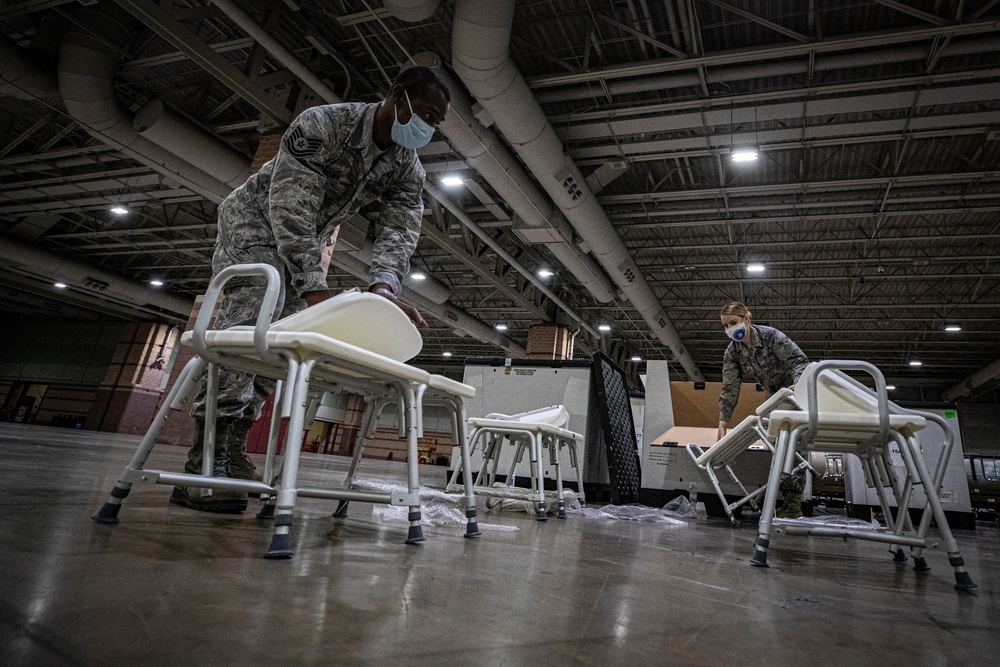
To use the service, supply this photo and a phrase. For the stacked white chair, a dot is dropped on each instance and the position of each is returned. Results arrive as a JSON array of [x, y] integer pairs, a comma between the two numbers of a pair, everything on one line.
[[842, 415], [353, 342], [533, 432]]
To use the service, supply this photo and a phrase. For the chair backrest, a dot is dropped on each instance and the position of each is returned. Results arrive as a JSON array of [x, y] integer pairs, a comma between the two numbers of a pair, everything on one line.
[[835, 393], [553, 415], [364, 320]]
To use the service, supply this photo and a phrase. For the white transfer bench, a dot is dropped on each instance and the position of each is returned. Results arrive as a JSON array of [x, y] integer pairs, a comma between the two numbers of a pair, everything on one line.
[[355, 342]]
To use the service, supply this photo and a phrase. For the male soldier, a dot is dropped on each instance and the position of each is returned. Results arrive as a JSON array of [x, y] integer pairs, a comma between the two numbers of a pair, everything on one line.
[[333, 160]]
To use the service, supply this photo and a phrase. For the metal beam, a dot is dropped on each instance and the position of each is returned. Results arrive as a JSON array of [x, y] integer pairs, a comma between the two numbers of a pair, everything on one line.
[[173, 31], [788, 32], [912, 11]]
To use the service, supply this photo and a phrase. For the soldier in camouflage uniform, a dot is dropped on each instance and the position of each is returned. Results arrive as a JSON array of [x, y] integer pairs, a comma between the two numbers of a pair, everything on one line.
[[333, 160], [773, 361]]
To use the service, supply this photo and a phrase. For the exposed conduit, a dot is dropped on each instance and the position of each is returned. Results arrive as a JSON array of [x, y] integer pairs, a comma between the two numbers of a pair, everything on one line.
[[411, 10], [480, 41]]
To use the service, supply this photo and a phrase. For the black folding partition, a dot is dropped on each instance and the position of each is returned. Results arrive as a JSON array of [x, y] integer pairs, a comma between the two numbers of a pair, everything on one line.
[[617, 430]]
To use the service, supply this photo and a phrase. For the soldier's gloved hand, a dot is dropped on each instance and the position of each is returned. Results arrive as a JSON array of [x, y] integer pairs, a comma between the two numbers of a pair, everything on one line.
[[385, 291], [312, 298]]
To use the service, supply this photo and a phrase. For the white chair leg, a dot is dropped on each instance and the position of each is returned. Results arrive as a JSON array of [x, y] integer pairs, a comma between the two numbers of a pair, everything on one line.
[[367, 417], [471, 524], [770, 500], [538, 476], [555, 444], [415, 534]]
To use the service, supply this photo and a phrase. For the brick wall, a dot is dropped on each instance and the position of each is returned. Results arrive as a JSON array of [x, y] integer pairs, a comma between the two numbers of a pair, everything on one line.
[[267, 148], [549, 341]]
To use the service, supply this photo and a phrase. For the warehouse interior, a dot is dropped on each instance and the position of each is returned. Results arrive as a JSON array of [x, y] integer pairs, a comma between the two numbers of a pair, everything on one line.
[[832, 164]]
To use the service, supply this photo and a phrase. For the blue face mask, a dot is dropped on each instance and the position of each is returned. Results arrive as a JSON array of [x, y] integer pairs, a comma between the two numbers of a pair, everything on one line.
[[737, 332], [415, 134]]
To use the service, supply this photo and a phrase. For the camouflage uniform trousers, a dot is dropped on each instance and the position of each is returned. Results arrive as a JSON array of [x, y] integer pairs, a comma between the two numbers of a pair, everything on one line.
[[241, 394]]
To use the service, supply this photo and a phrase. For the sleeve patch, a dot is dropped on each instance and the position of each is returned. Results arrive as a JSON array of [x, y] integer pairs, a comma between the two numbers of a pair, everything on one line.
[[301, 146]]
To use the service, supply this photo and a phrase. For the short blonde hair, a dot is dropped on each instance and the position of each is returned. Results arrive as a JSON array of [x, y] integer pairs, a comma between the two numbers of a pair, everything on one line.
[[736, 308]]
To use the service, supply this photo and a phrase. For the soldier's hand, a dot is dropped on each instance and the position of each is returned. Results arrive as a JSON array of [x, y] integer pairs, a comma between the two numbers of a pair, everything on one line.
[[384, 291], [722, 431], [312, 298]]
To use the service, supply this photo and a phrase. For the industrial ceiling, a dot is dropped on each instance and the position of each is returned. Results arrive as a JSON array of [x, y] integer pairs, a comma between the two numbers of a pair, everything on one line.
[[873, 207]]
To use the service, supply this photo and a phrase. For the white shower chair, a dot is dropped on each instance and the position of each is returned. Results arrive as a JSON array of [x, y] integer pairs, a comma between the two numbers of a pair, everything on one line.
[[749, 432], [842, 415], [353, 342], [533, 432]]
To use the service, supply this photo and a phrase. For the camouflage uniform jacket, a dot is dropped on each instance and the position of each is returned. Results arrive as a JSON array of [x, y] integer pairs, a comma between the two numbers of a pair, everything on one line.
[[325, 170], [772, 360]]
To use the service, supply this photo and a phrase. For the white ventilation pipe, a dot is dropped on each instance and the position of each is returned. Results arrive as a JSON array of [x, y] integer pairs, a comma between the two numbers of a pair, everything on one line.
[[49, 266], [412, 10], [274, 47], [22, 79], [183, 138], [485, 152], [461, 216], [480, 51], [85, 71], [450, 315], [982, 376], [867, 58]]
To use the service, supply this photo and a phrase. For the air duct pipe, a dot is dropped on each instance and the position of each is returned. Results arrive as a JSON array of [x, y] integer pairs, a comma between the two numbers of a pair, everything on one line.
[[429, 288], [982, 376], [86, 71], [510, 259], [800, 66], [485, 152], [32, 260], [411, 10], [447, 313], [22, 79], [274, 47], [480, 51], [199, 147]]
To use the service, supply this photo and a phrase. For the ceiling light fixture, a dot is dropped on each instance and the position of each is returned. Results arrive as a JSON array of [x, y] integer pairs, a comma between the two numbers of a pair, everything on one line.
[[418, 275], [636, 358], [156, 283], [446, 354], [451, 181], [744, 154], [890, 387], [756, 267], [119, 210], [501, 327], [59, 285], [604, 327], [546, 273], [916, 363], [952, 328]]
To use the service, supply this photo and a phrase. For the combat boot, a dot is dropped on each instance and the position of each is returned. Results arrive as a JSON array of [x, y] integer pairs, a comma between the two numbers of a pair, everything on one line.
[[240, 465], [221, 500], [791, 486]]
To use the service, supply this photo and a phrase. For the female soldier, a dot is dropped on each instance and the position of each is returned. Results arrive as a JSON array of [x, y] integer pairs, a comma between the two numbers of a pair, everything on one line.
[[773, 361]]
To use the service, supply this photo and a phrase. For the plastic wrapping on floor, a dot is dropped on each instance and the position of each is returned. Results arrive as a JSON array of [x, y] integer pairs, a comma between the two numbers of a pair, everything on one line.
[[505, 498], [438, 508], [674, 516], [829, 519]]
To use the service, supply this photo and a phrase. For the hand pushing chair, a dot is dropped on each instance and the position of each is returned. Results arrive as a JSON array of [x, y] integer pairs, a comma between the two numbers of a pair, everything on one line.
[[532, 432], [352, 342], [843, 415]]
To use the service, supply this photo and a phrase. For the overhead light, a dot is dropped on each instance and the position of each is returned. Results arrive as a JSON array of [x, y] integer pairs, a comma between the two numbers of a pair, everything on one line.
[[451, 181], [546, 273], [953, 328], [446, 354], [916, 363], [418, 275], [755, 267], [636, 358], [604, 327], [501, 327], [59, 285], [156, 283], [890, 387], [744, 154], [119, 210]]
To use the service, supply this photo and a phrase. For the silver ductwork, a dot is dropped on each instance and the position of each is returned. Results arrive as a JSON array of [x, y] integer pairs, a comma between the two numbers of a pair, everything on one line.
[[542, 224], [988, 372], [166, 128], [22, 79], [412, 10], [447, 313], [87, 278], [85, 73], [480, 52], [799, 66]]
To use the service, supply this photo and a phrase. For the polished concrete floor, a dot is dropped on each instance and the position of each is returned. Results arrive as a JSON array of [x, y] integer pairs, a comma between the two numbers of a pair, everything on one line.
[[169, 586]]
